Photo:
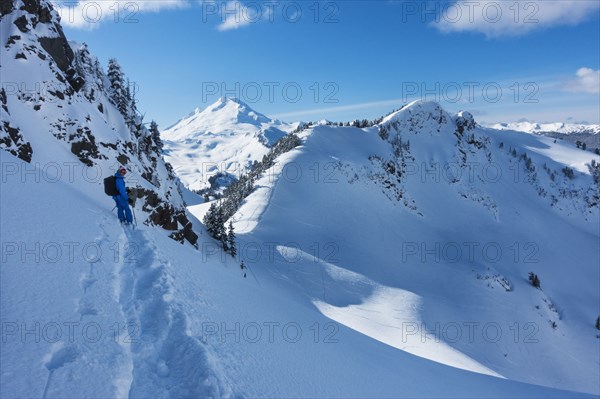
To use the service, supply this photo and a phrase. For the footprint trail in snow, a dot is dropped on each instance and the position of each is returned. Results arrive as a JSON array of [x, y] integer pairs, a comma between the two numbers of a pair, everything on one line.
[[166, 360]]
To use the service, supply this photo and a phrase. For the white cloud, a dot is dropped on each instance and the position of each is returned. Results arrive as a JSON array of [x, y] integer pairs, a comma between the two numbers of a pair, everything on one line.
[[89, 14], [512, 18], [237, 15], [587, 80]]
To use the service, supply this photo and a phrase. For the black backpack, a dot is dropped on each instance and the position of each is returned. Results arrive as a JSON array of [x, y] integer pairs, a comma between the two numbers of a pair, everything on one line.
[[110, 186]]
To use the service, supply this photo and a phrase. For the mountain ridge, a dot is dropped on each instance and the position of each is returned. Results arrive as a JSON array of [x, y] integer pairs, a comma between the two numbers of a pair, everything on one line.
[[540, 128]]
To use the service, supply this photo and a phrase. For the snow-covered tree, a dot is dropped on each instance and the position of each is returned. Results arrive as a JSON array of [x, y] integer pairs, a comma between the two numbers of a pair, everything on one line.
[[155, 134], [210, 220], [117, 90], [215, 225], [83, 61]]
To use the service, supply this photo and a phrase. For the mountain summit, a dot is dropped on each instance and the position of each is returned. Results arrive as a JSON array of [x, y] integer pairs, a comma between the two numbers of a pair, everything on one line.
[[222, 140], [224, 115]]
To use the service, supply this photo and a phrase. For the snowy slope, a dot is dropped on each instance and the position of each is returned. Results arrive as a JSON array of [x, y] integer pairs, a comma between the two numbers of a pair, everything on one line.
[[436, 263], [134, 314], [226, 138], [343, 297]]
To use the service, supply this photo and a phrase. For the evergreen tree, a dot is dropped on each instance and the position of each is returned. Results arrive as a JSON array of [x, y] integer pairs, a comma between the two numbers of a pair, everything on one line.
[[219, 227], [224, 243], [534, 279], [213, 220], [231, 240], [130, 99], [210, 221], [568, 172], [155, 133], [83, 61], [99, 74], [598, 323], [117, 90]]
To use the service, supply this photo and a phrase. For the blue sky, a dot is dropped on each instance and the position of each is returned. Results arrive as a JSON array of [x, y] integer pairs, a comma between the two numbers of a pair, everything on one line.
[[342, 60]]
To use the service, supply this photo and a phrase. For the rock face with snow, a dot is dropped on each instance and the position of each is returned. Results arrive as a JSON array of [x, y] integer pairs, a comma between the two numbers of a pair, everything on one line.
[[459, 146], [58, 106], [464, 121], [211, 147]]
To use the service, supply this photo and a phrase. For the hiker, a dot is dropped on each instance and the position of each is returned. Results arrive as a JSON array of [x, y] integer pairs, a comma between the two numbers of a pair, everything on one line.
[[122, 199]]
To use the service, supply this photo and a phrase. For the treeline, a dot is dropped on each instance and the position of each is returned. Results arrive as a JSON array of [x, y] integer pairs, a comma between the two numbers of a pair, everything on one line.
[[359, 123]]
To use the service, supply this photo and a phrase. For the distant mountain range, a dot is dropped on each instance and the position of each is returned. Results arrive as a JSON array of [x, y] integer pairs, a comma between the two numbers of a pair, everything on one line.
[[540, 128], [573, 132]]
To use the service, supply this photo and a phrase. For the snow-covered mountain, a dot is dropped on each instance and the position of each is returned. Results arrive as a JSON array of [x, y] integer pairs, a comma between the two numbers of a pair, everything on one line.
[[220, 142], [421, 233], [539, 128], [388, 261], [584, 136]]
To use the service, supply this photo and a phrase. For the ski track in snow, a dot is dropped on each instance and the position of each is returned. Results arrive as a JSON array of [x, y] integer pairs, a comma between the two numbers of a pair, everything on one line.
[[151, 354], [166, 360]]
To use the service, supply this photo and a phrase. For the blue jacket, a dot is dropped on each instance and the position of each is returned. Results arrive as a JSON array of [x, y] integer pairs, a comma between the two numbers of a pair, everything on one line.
[[120, 182]]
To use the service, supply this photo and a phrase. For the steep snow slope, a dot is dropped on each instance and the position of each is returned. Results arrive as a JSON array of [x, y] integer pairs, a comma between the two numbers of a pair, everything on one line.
[[226, 138], [57, 114], [424, 241]]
